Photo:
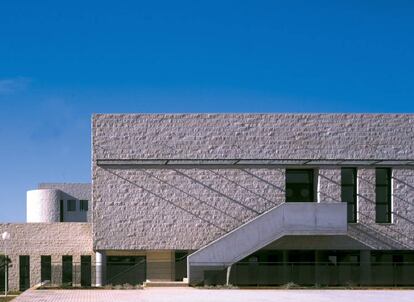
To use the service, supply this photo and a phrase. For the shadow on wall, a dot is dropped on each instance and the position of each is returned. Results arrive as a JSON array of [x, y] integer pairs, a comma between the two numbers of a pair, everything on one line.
[[392, 236], [265, 204]]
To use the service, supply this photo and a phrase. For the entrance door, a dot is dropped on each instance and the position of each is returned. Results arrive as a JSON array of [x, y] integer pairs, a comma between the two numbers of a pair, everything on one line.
[[125, 269]]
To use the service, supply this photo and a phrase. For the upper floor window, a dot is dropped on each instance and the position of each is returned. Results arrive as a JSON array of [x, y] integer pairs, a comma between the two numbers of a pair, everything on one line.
[[300, 185], [83, 205], [349, 191], [383, 207], [71, 205]]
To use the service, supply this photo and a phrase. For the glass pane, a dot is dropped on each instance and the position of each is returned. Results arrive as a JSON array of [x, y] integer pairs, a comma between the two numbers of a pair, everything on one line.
[[299, 176], [348, 194], [382, 176], [348, 176], [351, 212], [382, 213], [381, 195]]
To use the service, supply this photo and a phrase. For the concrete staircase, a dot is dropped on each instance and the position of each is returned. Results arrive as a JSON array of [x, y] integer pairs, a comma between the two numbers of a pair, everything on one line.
[[298, 218]]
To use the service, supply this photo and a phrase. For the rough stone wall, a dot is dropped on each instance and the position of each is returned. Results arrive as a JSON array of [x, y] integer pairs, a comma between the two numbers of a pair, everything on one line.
[[335, 136], [396, 235], [187, 208], [178, 209], [37, 239], [329, 185]]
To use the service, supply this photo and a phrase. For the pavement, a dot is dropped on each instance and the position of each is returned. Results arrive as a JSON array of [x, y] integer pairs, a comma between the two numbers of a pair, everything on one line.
[[215, 295]]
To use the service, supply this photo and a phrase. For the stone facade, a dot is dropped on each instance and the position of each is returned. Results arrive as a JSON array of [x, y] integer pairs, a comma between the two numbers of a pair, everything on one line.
[[188, 208], [37, 239]]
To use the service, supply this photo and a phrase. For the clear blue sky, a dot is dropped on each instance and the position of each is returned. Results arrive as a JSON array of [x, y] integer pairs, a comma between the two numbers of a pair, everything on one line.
[[60, 62]]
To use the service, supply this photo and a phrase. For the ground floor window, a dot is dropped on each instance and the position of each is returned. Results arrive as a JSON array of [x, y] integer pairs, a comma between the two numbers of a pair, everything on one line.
[[24, 272], [86, 271], [45, 268], [125, 269], [67, 270], [322, 268]]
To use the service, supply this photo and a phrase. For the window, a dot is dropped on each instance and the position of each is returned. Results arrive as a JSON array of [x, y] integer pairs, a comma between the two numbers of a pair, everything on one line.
[[71, 205], [46, 268], [61, 218], [83, 205], [67, 270], [383, 195], [349, 191], [86, 271], [24, 272], [300, 185]]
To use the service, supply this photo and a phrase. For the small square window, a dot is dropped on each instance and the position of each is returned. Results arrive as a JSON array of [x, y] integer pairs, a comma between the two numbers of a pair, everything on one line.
[[71, 205], [83, 205]]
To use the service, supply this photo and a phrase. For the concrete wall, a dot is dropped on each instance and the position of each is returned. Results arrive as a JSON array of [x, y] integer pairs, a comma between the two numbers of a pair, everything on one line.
[[186, 209], [43, 206], [37, 239]]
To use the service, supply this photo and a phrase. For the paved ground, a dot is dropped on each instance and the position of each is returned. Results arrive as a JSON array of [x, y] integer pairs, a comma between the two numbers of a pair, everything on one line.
[[220, 295]]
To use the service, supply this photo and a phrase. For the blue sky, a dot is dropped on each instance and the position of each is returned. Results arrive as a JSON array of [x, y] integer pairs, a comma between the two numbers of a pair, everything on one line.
[[60, 61]]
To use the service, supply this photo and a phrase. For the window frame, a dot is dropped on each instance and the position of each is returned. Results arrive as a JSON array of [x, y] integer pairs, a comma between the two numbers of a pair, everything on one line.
[[354, 185], [388, 201], [312, 185]]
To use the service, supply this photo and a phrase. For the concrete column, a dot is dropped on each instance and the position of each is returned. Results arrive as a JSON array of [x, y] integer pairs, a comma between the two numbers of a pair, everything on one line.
[[100, 268], [365, 267]]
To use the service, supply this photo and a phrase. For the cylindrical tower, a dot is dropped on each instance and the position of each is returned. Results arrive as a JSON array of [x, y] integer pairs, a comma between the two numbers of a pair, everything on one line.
[[43, 205]]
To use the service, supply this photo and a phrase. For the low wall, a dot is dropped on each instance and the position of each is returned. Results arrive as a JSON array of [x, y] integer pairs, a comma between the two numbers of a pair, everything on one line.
[[37, 239]]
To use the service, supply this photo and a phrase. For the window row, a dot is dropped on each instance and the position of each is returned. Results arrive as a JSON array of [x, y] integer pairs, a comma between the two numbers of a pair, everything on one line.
[[64, 271], [71, 205], [300, 187]]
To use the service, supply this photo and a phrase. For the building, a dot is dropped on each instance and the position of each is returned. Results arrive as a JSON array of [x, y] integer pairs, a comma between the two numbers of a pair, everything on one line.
[[248, 199]]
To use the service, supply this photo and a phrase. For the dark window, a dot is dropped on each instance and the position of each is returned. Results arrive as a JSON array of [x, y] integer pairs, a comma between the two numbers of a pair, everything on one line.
[[300, 185], [61, 211], [126, 269], [71, 205], [383, 195], [67, 270], [24, 272], [46, 268], [349, 191], [86, 270], [83, 205]]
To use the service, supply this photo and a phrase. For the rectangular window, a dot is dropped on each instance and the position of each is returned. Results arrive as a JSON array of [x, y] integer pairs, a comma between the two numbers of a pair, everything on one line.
[[45, 268], [300, 185], [24, 272], [86, 271], [349, 191], [61, 211], [71, 205], [67, 270], [383, 195], [83, 205]]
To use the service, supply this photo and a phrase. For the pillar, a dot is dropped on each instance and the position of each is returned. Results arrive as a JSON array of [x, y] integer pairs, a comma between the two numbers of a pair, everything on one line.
[[100, 268]]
